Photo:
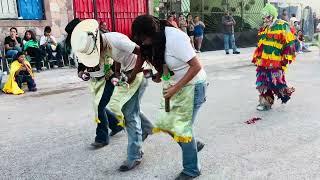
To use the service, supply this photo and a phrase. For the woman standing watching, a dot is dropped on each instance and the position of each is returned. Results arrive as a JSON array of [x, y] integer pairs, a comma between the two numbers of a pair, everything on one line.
[[198, 33], [190, 29]]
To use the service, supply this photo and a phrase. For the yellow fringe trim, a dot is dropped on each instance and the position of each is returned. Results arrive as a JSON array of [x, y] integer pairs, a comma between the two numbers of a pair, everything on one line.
[[285, 68], [121, 121], [97, 120], [182, 139]]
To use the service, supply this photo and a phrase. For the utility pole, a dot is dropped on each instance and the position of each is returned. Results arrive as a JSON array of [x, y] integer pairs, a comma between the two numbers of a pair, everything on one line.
[[113, 17], [95, 15]]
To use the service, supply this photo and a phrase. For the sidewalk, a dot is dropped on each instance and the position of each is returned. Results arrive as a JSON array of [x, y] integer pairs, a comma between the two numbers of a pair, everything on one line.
[[67, 78]]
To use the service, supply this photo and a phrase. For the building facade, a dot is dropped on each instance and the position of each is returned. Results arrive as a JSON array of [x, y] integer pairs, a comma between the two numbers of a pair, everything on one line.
[[35, 15]]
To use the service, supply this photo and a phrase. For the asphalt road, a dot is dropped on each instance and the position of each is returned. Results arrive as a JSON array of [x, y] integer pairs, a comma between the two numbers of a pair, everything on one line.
[[47, 134]]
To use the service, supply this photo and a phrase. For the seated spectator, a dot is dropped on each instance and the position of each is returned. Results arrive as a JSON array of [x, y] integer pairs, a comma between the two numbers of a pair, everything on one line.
[[49, 44], [103, 27], [293, 19], [20, 73], [12, 43], [303, 47], [31, 47]]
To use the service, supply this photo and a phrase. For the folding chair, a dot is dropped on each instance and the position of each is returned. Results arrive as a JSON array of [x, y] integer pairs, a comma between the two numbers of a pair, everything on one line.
[[30, 59], [5, 61]]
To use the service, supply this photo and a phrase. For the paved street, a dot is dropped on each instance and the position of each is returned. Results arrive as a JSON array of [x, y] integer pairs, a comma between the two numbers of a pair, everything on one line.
[[47, 134]]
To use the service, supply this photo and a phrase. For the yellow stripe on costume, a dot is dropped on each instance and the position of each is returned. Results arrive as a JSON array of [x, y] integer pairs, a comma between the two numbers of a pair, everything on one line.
[[272, 43], [289, 57], [272, 56], [276, 32], [290, 37]]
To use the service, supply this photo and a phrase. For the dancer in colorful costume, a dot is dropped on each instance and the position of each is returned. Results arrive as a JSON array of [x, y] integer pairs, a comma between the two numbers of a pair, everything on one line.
[[89, 45], [274, 53], [169, 49]]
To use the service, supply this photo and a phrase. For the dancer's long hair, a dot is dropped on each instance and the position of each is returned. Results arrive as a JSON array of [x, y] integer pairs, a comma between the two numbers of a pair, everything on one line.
[[150, 26]]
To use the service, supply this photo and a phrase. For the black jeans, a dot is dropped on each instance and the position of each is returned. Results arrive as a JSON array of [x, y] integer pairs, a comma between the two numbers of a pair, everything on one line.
[[107, 118], [24, 76], [48, 49], [36, 55]]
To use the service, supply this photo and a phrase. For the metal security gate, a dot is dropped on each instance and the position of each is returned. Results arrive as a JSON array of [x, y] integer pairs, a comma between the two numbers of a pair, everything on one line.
[[118, 17]]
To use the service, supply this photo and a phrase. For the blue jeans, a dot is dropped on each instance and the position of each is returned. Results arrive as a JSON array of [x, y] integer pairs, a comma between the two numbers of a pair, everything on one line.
[[146, 124], [229, 40], [191, 164], [131, 111], [12, 52], [107, 118]]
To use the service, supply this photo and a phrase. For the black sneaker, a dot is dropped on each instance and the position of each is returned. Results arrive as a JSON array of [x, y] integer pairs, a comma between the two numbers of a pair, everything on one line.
[[127, 167], [144, 136], [114, 132], [183, 176], [200, 145], [227, 53], [236, 52], [98, 145], [33, 89]]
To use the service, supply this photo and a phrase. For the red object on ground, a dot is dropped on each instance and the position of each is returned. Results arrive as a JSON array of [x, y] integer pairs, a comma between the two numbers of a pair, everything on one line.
[[253, 120], [125, 11]]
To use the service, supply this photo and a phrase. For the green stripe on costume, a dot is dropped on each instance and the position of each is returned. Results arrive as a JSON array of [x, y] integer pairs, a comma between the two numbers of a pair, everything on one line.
[[269, 50]]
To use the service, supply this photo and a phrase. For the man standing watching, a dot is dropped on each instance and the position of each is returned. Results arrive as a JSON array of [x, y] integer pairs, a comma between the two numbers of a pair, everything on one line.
[[228, 31]]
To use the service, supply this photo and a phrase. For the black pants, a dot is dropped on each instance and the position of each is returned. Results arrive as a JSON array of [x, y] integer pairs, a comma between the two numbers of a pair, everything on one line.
[[106, 117], [24, 76], [48, 49], [36, 55]]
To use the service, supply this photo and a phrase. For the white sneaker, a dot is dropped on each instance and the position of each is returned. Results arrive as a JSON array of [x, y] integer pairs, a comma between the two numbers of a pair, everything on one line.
[[261, 107], [55, 67]]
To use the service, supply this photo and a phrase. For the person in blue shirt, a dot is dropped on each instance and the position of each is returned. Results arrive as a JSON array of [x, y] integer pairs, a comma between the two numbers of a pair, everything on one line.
[[198, 33]]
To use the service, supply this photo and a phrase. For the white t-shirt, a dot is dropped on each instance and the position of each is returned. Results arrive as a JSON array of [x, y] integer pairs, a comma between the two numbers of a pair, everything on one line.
[[45, 39], [292, 20], [178, 53], [122, 49]]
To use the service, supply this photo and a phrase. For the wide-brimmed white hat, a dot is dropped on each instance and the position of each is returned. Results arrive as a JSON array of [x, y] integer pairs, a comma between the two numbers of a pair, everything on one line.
[[85, 42]]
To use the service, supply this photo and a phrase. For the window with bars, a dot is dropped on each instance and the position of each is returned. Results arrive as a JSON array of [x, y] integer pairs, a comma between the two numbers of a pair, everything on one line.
[[22, 9]]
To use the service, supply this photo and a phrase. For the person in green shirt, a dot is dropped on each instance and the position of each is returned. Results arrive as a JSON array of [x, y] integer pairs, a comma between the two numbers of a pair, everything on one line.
[[31, 47]]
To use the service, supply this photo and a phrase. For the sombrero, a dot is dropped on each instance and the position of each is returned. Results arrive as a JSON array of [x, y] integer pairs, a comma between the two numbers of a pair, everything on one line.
[[85, 42]]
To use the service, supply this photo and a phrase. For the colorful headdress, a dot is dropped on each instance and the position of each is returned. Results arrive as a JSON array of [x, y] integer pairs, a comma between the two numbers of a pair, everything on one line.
[[271, 10]]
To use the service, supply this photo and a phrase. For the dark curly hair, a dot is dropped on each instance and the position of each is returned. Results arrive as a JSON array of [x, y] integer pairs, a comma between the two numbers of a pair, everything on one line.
[[33, 36], [150, 26]]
